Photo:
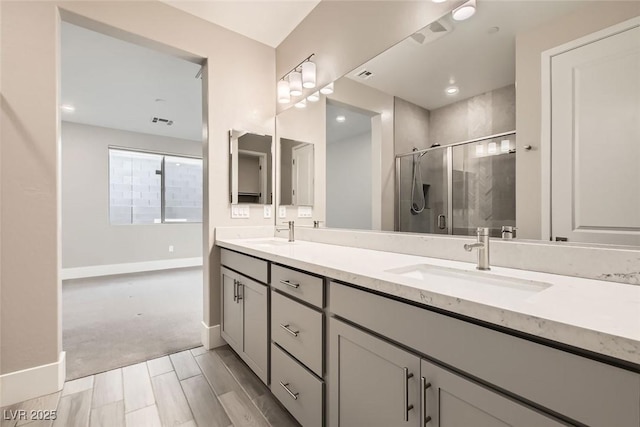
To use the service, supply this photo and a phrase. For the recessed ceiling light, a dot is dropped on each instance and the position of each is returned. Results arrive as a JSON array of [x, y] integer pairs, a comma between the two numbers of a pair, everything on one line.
[[341, 119], [438, 1], [67, 108], [452, 90], [465, 11]]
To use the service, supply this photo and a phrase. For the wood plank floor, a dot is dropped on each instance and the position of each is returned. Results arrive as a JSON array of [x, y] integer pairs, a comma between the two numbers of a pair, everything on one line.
[[193, 388]]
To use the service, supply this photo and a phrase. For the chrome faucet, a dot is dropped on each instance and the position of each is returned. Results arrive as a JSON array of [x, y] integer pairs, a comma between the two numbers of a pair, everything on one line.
[[483, 248], [316, 224], [290, 228], [508, 232]]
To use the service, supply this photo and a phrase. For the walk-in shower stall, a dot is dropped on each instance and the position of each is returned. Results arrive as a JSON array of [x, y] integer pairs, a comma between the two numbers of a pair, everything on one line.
[[456, 188]]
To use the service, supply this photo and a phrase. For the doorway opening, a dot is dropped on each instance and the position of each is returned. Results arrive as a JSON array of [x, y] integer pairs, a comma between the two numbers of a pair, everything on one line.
[[132, 202]]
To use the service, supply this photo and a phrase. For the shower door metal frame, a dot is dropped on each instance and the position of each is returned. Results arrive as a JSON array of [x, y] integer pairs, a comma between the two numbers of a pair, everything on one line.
[[449, 149]]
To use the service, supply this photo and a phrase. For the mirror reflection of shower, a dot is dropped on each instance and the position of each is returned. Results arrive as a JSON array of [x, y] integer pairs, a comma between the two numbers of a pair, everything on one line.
[[455, 188]]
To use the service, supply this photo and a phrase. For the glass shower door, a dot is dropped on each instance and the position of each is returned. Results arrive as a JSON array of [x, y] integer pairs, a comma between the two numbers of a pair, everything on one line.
[[484, 185]]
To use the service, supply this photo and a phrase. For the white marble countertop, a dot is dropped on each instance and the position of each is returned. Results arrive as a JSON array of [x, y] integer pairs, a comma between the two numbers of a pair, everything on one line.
[[598, 316]]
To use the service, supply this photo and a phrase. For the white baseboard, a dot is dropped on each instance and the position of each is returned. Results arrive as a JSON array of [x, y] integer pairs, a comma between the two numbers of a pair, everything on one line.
[[211, 336], [131, 267], [33, 382]]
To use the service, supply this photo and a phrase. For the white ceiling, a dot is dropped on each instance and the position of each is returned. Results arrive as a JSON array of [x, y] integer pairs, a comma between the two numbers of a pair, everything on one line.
[[115, 84], [469, 55], [267, 21]]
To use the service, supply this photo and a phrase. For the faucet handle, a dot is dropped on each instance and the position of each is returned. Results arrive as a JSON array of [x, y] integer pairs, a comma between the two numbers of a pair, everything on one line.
[[316, 223], [482, 231]]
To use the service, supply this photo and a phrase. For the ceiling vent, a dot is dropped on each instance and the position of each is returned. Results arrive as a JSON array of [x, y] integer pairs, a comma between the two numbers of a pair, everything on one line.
[[432, 32], [159, 120], [364, 75]]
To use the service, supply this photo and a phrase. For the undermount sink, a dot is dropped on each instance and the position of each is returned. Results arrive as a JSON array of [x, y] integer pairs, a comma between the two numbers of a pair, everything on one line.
[[273, 243], [431, 274]]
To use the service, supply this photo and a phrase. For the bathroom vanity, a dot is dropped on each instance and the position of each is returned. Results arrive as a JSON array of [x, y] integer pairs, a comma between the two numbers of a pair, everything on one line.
[[353, 337]]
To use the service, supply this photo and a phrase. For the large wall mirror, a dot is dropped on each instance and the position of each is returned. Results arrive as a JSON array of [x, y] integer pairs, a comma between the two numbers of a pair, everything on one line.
[[250, 168], [453, 127]]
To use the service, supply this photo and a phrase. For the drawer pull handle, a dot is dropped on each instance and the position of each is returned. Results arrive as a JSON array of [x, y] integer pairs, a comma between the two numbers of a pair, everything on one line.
[[407, 407], [290, 284], [293, 395], [292, 332], [424, 385]]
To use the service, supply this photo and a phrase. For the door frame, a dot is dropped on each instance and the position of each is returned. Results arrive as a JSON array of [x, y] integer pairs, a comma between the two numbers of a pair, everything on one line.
[[545, 117], [295, 174]]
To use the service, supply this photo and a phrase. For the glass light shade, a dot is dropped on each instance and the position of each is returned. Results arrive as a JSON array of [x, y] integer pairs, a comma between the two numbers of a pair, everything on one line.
[[480, 150], [493, 147], [314, 97], [309, 75], [283, 92], [301, 104], [465, 11], [295, 83], [505, 146], [327, 90]]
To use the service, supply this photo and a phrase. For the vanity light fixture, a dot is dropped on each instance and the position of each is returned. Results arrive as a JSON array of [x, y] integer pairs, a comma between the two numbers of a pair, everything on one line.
[[504, 146], [308, 75], [301, 76], [284, 96], [327, 90], [68, 108], [341, 119], [493, 148], [480, 150], [301, 104], [452, 90], [464, 11], [295, 83], [314, 97]]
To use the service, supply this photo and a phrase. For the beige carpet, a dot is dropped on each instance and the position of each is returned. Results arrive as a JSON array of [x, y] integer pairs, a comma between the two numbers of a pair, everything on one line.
[[114, 321]]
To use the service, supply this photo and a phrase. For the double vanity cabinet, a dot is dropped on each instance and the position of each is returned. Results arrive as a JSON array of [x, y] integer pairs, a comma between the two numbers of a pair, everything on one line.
[[337, 354]]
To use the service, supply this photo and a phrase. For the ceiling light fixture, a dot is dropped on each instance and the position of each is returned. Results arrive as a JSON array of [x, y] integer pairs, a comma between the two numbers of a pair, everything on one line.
[[301, 104], [341, 119], [67, 108], [301, 76], [464, 11], [452, 90], [438, 1], [327, 90], [314, 97]]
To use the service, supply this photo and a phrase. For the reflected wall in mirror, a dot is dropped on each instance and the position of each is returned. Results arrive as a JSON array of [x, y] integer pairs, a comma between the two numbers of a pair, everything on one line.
[[296, 173], [250, 168], [482, 142]]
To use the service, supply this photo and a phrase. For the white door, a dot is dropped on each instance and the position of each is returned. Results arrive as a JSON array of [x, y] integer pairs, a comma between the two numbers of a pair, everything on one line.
[[302, 175], [595, 141]]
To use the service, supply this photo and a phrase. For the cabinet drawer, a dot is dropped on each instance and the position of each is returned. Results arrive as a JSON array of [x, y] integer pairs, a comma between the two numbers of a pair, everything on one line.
[[303, 393], [251, 267], [585, 390], [306, 287], [297, 329]]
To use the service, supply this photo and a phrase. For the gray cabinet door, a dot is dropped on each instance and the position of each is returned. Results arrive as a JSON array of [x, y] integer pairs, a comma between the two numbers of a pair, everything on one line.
[[255, 344], [231, 328], [372, 383], [451, 400]]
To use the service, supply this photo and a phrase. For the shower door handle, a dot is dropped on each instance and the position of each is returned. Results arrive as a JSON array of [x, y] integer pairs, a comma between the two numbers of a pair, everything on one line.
[[442, 222]]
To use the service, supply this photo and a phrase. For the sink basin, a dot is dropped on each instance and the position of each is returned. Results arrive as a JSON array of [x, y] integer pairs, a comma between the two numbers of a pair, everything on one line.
[[273, 243], [471, 280]]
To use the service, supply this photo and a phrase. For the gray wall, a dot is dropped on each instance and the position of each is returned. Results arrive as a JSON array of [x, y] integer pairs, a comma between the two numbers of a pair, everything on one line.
[[481, 115], [411, 126], [87, 236], [349, 182]]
